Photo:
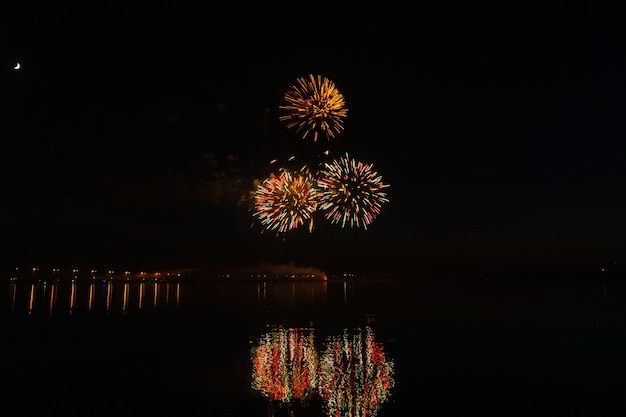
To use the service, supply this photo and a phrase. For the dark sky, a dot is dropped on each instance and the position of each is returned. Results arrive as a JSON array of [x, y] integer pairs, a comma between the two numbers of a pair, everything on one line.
[[129, 135]]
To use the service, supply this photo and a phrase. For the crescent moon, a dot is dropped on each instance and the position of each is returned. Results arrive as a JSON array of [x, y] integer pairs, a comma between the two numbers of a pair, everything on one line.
[[17, 66]]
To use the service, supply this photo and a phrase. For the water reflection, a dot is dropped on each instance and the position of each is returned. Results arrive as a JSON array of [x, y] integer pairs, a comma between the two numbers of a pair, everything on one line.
[[293, 369], [74, 296], [107, 296], [321, 354], [285, 364], [351, 373], [355, 375]]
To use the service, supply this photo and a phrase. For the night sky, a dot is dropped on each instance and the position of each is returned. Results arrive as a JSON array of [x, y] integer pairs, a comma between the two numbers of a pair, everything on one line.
[[130, 135]]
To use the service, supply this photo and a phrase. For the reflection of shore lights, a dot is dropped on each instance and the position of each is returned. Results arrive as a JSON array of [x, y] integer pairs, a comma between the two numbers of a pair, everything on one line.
[[45, 295]]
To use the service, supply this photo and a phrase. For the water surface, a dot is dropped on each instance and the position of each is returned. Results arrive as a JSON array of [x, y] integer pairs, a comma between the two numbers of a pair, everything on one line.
[[199, 347]]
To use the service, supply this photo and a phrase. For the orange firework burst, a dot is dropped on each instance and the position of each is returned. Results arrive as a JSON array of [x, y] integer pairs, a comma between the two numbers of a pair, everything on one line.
[[314, 106], [286, 201], [351, 192]]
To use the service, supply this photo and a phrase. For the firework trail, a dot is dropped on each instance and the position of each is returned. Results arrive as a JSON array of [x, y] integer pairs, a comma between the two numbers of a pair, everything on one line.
[[350, 192], [314, 106], [286, 201]]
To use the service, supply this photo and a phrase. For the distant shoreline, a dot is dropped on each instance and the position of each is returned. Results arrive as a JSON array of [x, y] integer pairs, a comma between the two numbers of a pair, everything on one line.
[[295, 273]]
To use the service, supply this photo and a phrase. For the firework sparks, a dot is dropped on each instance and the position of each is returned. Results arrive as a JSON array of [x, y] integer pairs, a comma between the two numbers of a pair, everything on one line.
[[314, 106], [350, 192], [286, 201]]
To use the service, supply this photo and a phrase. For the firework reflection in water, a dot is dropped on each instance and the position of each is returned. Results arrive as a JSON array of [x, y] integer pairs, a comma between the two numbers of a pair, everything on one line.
[[355, 375], [285, 364]]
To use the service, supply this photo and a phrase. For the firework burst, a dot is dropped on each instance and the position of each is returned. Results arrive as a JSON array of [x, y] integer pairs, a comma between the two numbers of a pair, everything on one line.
[[314, 106], [286, 201], [350, 192]]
